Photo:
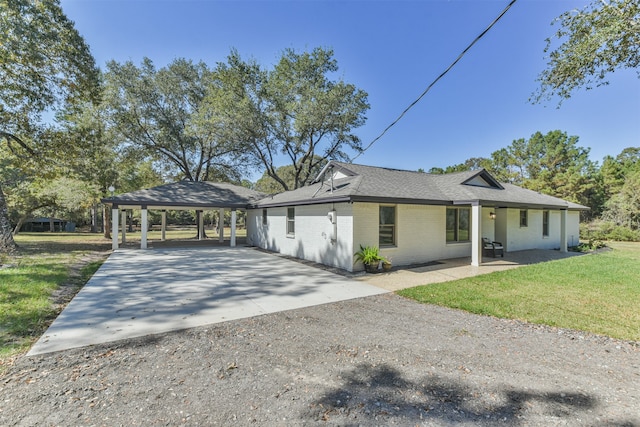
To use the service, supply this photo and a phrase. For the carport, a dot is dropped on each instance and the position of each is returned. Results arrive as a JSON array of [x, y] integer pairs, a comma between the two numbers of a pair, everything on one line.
[[183, 195]]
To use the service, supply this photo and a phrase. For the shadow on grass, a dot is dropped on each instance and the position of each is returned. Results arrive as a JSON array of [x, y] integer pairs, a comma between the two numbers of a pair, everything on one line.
[[50, 247], [381, 395]]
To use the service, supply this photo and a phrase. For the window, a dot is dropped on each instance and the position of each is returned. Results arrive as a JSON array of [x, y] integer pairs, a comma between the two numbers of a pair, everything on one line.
[[524, 218], [387, 230], [264, 217], [545, 223], [458, 224], [291, 221]]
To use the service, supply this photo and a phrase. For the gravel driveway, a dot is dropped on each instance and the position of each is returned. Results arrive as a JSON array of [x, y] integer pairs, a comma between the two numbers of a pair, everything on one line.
[[380, 360]]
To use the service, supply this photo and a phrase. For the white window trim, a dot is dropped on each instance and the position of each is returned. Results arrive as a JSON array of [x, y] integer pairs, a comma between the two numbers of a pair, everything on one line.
[[457, 241], [293, 221], [395, 227], [546, 236], [526, 218]]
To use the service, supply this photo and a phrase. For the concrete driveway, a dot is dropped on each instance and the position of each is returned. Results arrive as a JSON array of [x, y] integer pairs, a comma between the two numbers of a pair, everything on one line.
[[137, 293]]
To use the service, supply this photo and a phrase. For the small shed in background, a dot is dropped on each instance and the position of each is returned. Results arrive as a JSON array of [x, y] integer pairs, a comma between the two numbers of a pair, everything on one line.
[[48, 224]]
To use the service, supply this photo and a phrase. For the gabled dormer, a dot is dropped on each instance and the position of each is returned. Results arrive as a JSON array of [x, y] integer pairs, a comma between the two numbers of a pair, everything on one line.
[[483, 179], [333, 170]]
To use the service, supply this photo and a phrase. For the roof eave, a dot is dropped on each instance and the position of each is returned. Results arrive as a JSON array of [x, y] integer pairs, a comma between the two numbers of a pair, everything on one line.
[[158, 204], [521, 205], [316, 201]]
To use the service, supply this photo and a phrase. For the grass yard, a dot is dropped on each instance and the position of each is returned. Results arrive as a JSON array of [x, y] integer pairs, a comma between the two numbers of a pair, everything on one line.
[[183, 233], [44, 263], [599, 293]]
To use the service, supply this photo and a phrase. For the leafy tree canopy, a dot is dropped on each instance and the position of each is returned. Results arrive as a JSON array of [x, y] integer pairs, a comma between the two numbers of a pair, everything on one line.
[[44, 63], [297, 112], [268, 185], [45, 66], [469, 164], [551, 163], [153, 112], [594, 41]]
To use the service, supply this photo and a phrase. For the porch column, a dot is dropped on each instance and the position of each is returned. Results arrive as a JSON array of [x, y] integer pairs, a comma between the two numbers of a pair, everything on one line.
[[563, 230], [200, 215], [476, 235], [143, 227], [114, 227], [233, 227], [221, 225], [163, 233], [124, 226]]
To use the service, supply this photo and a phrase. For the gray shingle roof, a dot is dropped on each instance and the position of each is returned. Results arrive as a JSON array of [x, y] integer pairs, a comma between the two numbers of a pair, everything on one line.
[[369, 183], [189, 194]]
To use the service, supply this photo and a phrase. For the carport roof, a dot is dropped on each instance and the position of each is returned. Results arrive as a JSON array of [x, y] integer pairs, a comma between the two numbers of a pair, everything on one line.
[[187, 195]]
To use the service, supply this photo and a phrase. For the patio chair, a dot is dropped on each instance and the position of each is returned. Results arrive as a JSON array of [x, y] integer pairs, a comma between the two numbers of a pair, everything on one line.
[[494, 248]]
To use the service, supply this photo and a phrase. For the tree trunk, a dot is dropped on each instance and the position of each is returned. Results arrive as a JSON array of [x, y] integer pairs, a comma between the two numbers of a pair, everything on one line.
[[106, 223], [204, 233], [94, 218], [18, 226], [7, 244]]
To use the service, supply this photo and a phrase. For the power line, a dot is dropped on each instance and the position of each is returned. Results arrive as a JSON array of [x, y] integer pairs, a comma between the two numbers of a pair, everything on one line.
[[506, 9]]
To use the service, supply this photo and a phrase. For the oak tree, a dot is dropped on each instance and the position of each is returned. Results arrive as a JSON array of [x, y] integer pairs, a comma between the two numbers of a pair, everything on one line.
[[594, 42], [298, 113], [45, 66]]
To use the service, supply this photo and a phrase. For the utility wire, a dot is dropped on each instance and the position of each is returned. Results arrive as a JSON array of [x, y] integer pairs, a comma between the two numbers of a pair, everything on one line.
[[437, 79]]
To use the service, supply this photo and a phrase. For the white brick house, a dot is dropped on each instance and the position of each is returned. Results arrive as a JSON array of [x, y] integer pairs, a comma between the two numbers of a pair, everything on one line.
[[412, 217]]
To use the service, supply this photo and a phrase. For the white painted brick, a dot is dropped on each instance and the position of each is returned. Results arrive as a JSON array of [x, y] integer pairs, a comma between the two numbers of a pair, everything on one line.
[[313, 239], [420, 232]]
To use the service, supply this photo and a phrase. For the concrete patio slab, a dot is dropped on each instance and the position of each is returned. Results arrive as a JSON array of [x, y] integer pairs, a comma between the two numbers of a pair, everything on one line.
[[459, 268], [137, 293]]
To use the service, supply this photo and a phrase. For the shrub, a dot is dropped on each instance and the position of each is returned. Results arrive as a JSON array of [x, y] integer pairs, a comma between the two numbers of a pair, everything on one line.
[[604, 230], [623, 234], [369, 255]]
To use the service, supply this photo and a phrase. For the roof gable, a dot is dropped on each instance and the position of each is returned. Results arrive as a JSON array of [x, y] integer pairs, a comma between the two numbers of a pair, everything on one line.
[[483, 179]]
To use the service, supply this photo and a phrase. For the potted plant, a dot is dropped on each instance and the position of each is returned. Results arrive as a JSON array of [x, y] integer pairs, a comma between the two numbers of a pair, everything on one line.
[[370, 257], [386, 264]]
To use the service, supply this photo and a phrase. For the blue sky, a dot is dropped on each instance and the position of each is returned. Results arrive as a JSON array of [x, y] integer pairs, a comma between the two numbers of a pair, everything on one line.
[[392, 50]]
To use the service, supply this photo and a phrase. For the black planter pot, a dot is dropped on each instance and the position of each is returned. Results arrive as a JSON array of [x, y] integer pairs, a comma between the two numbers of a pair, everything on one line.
[[371, 268]]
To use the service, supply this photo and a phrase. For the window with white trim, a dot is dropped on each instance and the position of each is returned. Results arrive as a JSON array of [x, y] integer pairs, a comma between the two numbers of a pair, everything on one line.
[[387, 226], [264, 217], [524, 218], [291, 222], [458, 225], [545, 223]]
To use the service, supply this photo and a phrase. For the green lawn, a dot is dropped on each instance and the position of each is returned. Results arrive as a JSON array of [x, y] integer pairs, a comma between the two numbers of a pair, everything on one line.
[[42, 264], [599, 293]]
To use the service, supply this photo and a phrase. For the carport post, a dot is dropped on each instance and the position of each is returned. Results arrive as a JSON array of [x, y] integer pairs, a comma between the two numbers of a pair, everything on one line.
[[200, 215], [476, 233], [143, 227], [164, 226], [221, 225], [233, 227], [563, 230], [114, 227], [124, 226]]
